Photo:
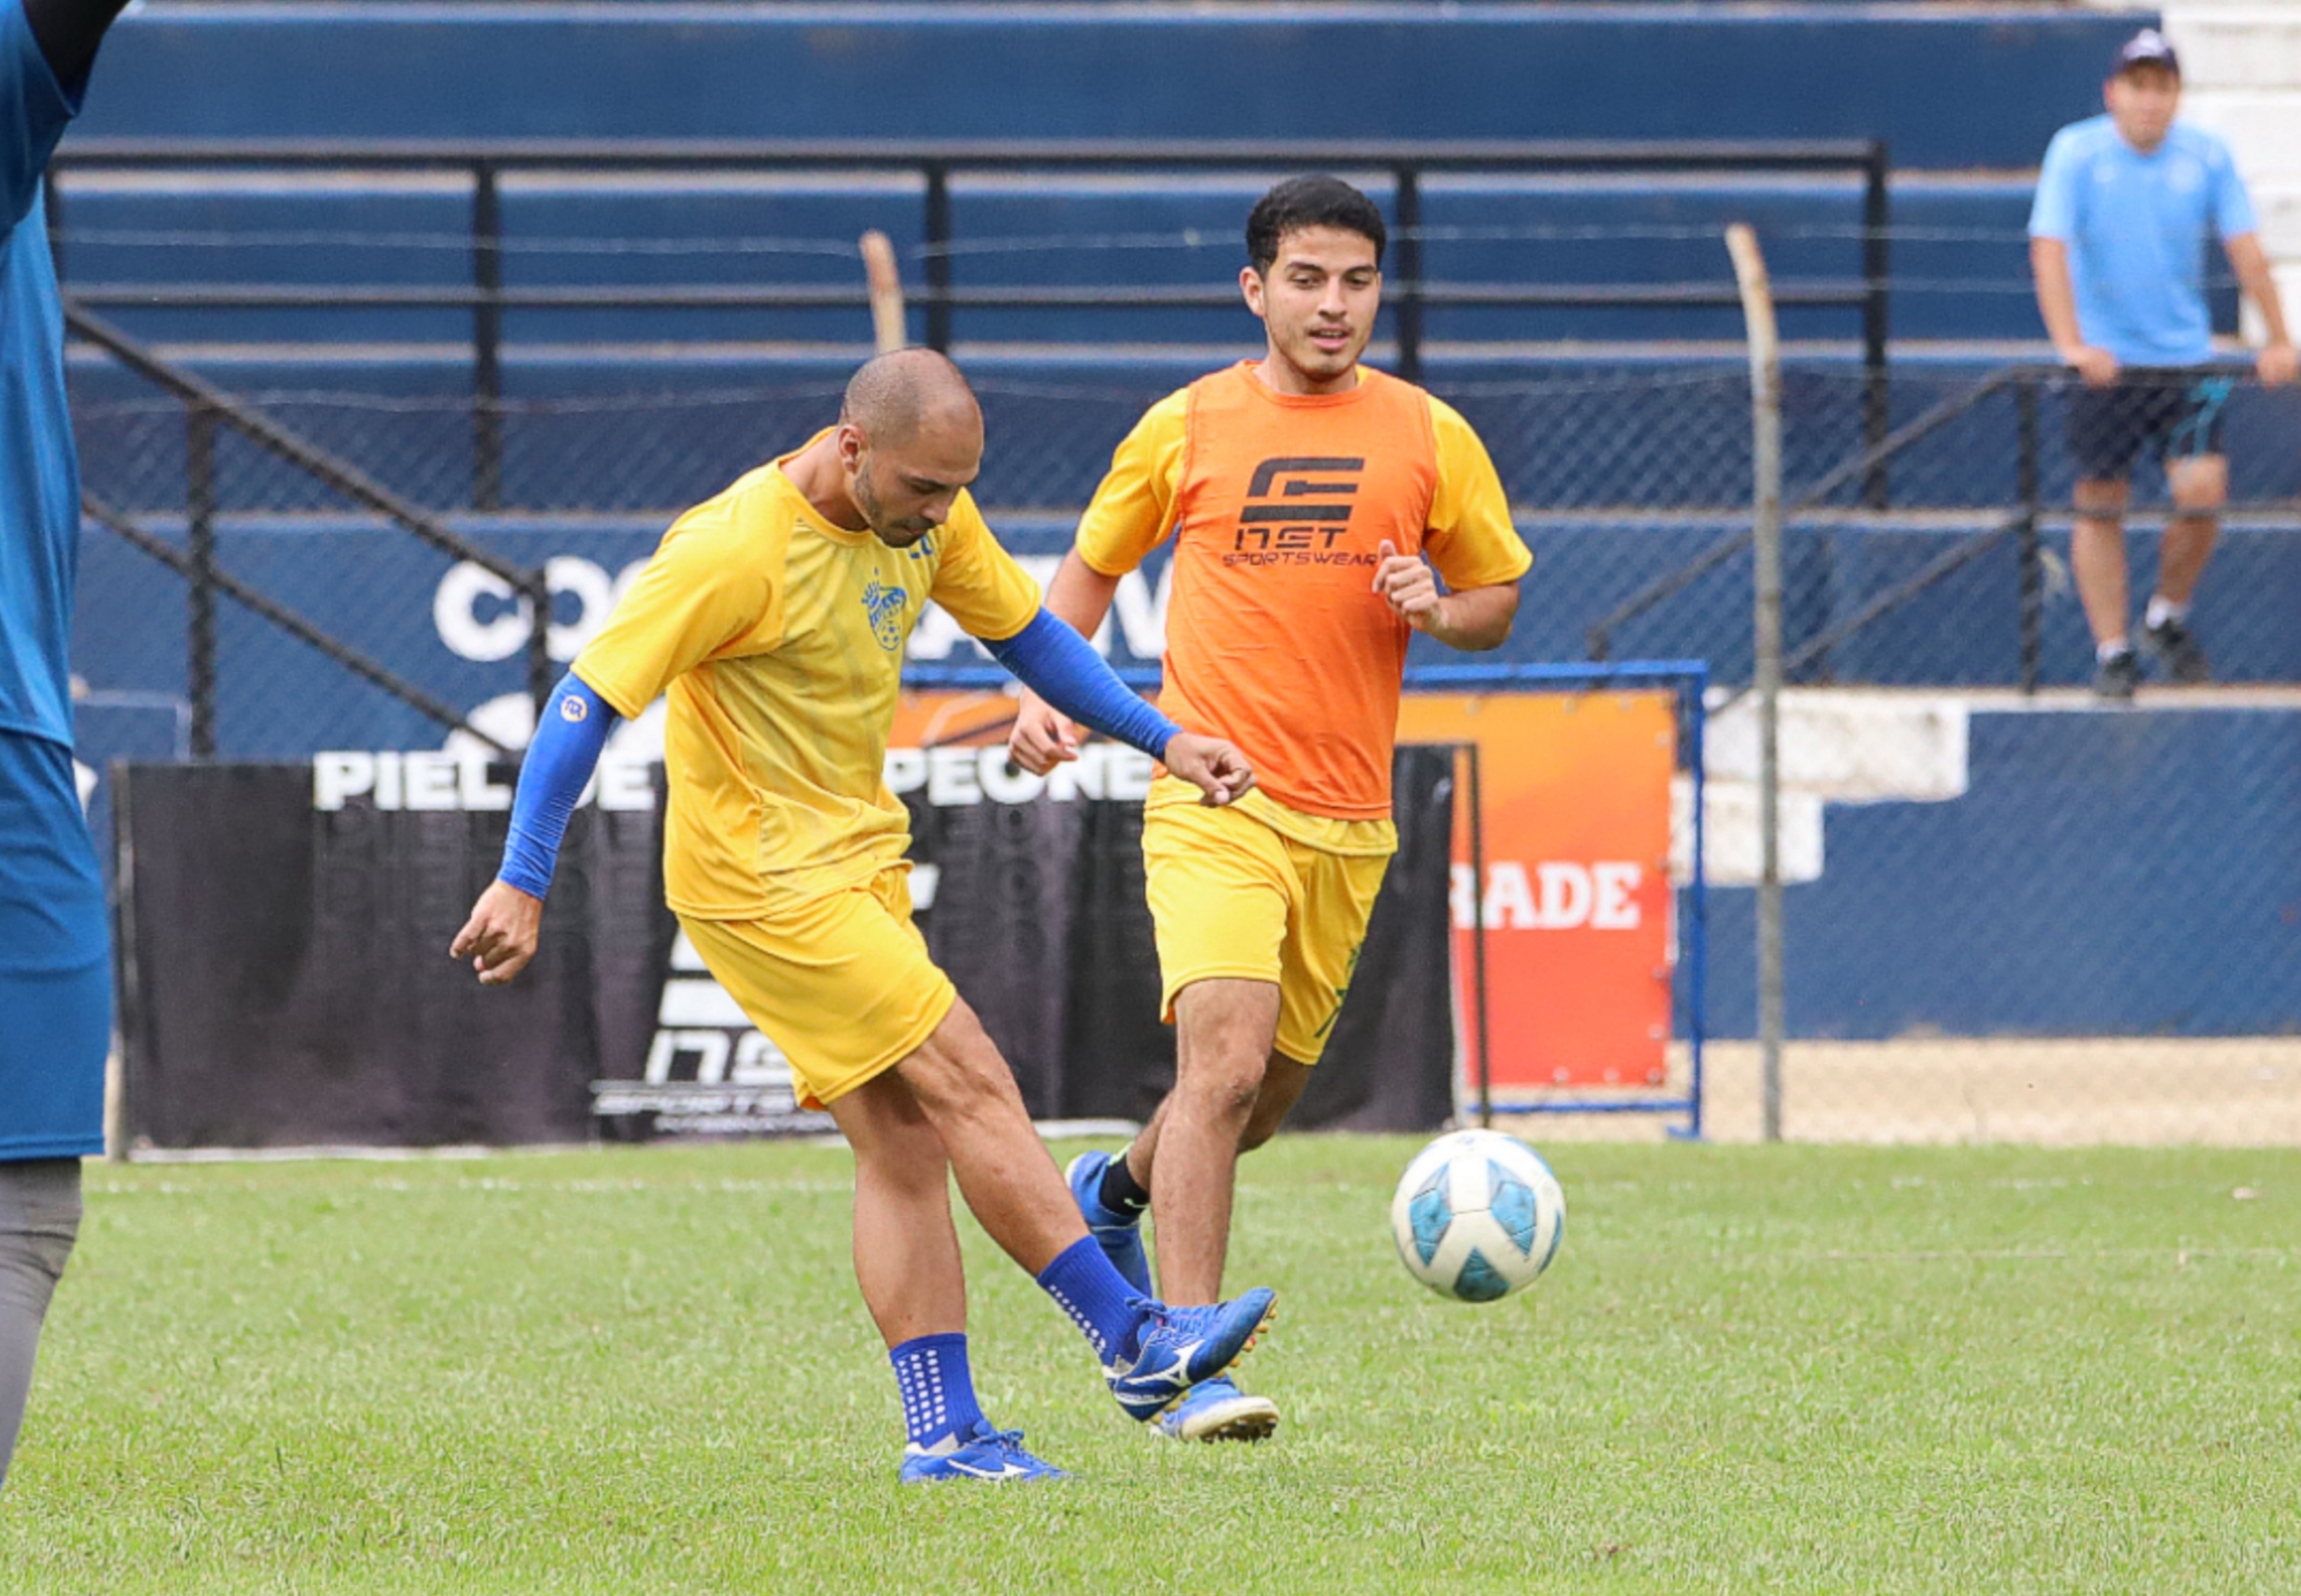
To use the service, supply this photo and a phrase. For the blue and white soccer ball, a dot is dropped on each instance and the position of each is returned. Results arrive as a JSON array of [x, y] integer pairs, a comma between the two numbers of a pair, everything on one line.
[[1478, 1216]]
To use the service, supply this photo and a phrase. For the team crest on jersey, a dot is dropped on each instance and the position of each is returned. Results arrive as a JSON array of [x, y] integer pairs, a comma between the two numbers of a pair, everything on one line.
[[885, 607]]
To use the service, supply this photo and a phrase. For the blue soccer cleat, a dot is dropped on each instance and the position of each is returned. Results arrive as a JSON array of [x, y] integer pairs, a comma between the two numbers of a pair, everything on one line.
[[981, 1454], [1217, 1410], [1183, 1347], [1119, 1235]]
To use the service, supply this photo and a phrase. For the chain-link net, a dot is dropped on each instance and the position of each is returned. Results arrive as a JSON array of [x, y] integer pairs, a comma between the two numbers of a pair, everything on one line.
[[2015, 909], [2050, 915], [275, 608]]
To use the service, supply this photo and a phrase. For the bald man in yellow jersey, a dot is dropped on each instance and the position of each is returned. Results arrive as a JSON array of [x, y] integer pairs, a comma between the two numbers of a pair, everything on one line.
[[1308, 499], [776, 616]]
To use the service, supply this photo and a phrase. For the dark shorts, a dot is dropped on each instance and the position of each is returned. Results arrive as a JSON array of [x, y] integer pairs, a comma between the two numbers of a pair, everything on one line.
[[2174, 412]]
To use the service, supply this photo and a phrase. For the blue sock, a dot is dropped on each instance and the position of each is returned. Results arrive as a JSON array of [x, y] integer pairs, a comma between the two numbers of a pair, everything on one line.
[[938, 1389], [1097, 1297]]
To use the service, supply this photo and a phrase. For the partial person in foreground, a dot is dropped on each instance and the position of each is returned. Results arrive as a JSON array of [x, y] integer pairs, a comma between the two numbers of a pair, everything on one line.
[[2126, 202], [56, 948], [1308, 499], [776, 616]]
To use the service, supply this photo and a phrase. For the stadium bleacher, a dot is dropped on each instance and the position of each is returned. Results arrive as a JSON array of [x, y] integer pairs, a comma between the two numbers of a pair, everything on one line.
[[853, 68], [1070, 379]]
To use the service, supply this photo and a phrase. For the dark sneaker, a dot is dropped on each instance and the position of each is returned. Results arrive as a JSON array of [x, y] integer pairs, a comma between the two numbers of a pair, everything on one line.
[[2117, 676], [2176, 649]]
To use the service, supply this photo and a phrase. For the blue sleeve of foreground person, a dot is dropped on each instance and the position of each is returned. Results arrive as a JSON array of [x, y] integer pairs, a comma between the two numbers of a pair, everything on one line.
[[560, 763], [1059, 665]]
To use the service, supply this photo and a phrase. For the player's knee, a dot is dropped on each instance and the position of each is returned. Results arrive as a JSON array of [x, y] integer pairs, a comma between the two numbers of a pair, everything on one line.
[[1227, 1097]]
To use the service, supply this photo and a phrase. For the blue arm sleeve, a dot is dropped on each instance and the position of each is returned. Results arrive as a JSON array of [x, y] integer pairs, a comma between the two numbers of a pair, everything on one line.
[[1057, 664], [559, 762]]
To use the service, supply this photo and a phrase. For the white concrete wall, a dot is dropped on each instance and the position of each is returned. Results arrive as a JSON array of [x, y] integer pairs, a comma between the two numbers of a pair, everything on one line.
[[2241, 64]]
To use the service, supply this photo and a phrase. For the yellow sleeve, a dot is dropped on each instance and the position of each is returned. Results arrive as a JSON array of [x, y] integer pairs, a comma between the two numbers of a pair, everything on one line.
[[1470, 538], [1134, 511], [715, 579], [987, 593]]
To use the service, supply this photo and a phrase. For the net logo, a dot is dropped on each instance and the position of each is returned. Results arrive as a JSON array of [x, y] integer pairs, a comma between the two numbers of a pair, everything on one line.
[[1297, 505]]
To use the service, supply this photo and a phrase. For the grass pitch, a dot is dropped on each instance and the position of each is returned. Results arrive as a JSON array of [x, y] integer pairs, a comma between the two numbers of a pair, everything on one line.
[[1751, 1369]]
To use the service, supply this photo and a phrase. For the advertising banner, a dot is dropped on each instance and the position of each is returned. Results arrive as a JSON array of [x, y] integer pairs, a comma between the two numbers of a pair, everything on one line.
[[1577, 899], [285, 981], [284, 978]]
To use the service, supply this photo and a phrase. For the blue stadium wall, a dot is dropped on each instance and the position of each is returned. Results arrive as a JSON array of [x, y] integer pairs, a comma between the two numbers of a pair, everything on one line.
[[633, 69]]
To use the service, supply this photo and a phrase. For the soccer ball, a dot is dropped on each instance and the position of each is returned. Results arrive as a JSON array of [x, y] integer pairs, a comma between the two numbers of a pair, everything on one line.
[[1478, 1216]]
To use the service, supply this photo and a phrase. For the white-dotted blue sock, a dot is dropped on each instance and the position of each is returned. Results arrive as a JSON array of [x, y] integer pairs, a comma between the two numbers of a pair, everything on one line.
[[1097, 1297], [938, 1389]]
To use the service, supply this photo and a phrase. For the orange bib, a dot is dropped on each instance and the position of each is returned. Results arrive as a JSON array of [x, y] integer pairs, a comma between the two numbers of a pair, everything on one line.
[[1276, 637]]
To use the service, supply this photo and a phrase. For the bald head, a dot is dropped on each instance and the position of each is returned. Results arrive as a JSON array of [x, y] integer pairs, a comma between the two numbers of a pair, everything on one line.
[[894, 399], [910, 439]]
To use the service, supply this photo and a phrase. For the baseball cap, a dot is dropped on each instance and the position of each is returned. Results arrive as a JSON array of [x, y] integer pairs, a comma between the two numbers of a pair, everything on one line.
[[2148, 47]]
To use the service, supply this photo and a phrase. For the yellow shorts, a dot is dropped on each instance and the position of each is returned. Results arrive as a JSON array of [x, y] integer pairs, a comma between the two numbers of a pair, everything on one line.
[[1230, 896], [843, 983]]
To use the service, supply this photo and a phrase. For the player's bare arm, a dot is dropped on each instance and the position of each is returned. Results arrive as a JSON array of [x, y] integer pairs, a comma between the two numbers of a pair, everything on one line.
[[2057, 302], [2275, 363], [1043, 736], [1473, 619]]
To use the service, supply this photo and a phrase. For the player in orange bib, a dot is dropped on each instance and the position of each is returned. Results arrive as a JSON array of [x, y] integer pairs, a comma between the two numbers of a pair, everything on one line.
[[1309, 499]]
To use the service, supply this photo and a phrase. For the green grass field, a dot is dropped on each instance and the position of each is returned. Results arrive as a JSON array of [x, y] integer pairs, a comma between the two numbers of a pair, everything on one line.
[[1779, 1369]]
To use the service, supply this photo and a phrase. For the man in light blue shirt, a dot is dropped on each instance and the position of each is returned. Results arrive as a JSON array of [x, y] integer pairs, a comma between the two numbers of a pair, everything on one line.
[[55, 955], [2126, 203]]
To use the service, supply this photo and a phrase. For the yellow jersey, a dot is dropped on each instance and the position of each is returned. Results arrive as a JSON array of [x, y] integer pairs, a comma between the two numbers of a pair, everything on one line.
[[780, 638]]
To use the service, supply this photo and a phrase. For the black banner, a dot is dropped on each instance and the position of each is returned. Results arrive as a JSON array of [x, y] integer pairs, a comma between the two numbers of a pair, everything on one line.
[[284, 979]]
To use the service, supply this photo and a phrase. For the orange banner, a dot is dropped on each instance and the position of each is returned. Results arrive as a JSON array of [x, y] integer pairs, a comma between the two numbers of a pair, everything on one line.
[[1576, 796], [1577, 903]]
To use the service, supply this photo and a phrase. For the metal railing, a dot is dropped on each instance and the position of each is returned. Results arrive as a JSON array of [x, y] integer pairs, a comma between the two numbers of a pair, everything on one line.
[[2022, 518], [1408, 293], [208, 410]]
